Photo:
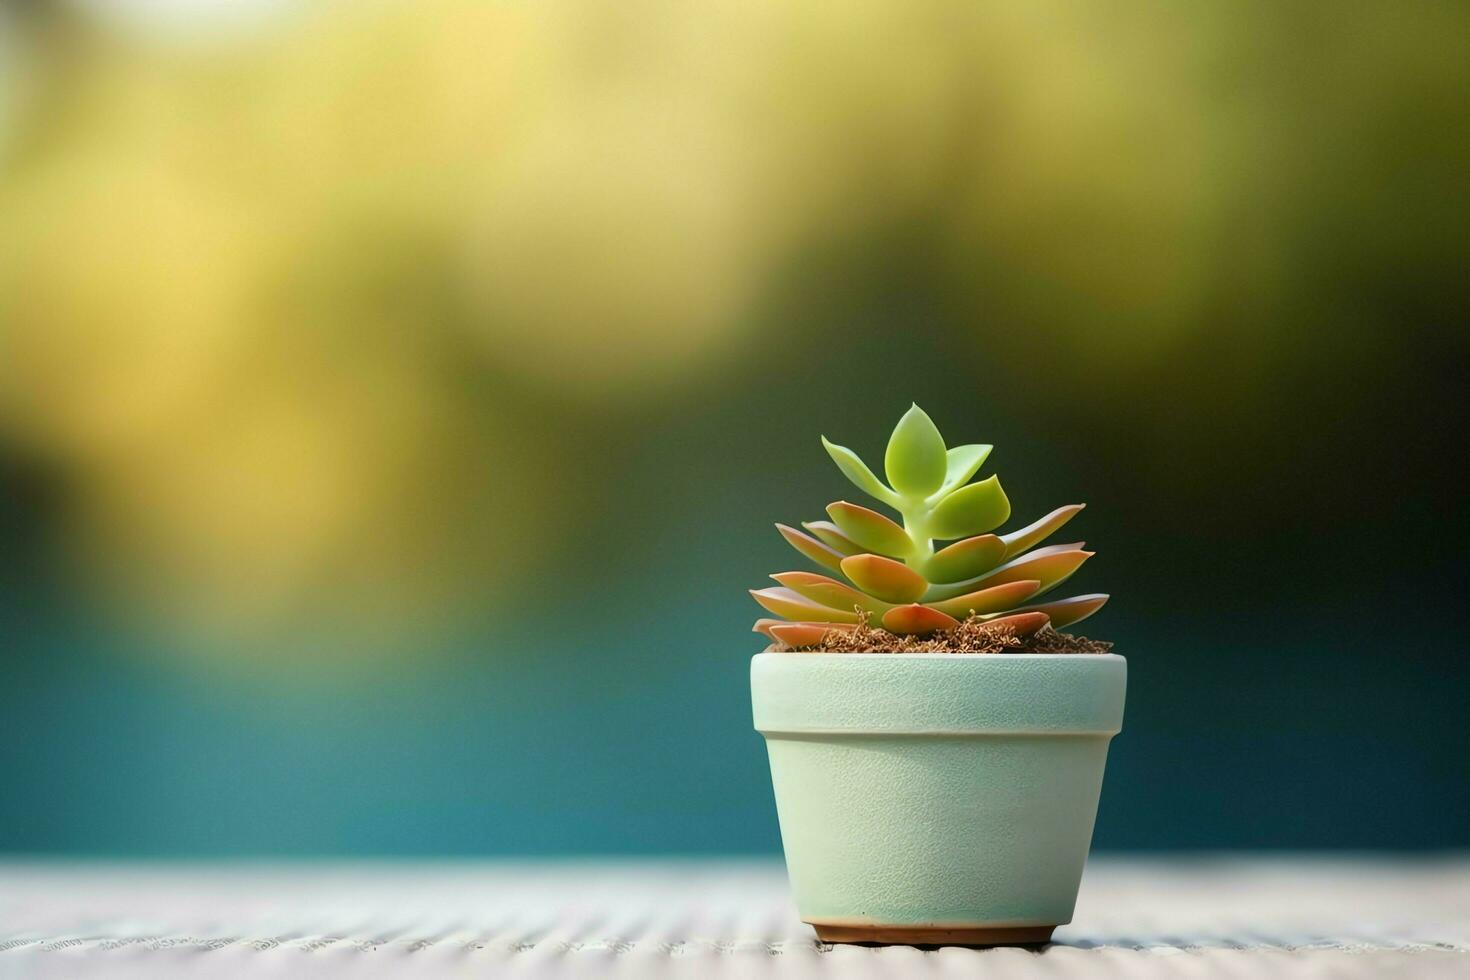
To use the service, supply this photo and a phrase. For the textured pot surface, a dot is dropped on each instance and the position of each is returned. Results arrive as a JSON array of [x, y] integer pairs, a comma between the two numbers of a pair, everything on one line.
[[937, 791]]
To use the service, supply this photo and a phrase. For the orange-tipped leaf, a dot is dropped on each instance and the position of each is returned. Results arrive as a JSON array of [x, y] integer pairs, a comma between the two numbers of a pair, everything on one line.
[[916, 619], [805, 634], [996, 599], [830, 592], [1065, 612], [884, 578], [811, 548], [870, 529], [1022, 623], [1034, 533], [763, 626], [791, 605], [1050, 566], [833, 537]]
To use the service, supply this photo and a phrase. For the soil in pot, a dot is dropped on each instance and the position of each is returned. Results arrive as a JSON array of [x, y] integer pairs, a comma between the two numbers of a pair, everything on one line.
[[971, 636]]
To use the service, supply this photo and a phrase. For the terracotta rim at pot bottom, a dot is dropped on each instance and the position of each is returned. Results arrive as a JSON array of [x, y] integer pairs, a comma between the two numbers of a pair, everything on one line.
[[920, 936]]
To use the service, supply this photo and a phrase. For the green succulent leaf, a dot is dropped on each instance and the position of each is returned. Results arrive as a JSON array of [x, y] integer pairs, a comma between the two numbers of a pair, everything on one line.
[[833, 537], [870, 529], [995, 599], [884, 578], [1050, 566], [830, 592], [974, 509], [1032, 534], [1065, 612], [914, 619], [784, 602], [915, 460], [853, 467], [965, 559], [812, 548], [961, 463]]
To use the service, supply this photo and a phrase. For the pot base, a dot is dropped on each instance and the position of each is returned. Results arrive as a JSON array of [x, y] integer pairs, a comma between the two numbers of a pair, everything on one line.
[[923, 936]]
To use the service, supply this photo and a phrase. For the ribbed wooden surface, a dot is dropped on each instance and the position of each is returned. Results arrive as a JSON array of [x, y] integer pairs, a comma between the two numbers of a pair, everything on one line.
[[1185, 917]]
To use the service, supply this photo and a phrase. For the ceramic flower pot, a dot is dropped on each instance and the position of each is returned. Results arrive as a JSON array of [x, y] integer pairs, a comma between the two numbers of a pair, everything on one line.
[[937, 798]]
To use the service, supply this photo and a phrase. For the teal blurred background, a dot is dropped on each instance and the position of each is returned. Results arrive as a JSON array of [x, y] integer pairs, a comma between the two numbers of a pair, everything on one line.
[[396, 398]]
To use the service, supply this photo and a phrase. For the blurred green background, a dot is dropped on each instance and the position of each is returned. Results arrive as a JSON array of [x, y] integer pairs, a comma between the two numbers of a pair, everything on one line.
[[396, 398]]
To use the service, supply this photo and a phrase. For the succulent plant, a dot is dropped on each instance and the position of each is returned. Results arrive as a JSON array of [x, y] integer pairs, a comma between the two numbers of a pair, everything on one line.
[[898, 576]]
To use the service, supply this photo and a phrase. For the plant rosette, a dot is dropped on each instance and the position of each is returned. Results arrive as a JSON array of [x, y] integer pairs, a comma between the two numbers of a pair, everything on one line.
[[937, 776]]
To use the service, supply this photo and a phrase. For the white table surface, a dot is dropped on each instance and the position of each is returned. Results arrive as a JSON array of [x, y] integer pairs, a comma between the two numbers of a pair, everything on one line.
[[1175, 917]]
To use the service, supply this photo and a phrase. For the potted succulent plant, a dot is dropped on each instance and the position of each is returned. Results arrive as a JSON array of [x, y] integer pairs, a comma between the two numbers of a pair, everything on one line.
[[936, 746]]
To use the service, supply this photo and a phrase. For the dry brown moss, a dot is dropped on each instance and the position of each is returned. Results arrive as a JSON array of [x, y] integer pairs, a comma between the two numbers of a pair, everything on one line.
[[971, 636]]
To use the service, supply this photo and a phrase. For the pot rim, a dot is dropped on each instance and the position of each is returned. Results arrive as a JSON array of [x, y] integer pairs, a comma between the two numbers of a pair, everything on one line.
[[944, 656], [798, 694]]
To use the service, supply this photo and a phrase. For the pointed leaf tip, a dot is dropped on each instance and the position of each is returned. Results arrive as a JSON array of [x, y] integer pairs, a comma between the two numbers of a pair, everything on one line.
[[833, 537], [915, 460], [853, 467], [1067, 612], [1021, 623], [1034, 533], [961, 463], [763, 626], [811, 548], [830, 592], [793, 606]]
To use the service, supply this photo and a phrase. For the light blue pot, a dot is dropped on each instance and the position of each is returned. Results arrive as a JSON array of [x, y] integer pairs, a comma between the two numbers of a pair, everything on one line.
[[933, 798]]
